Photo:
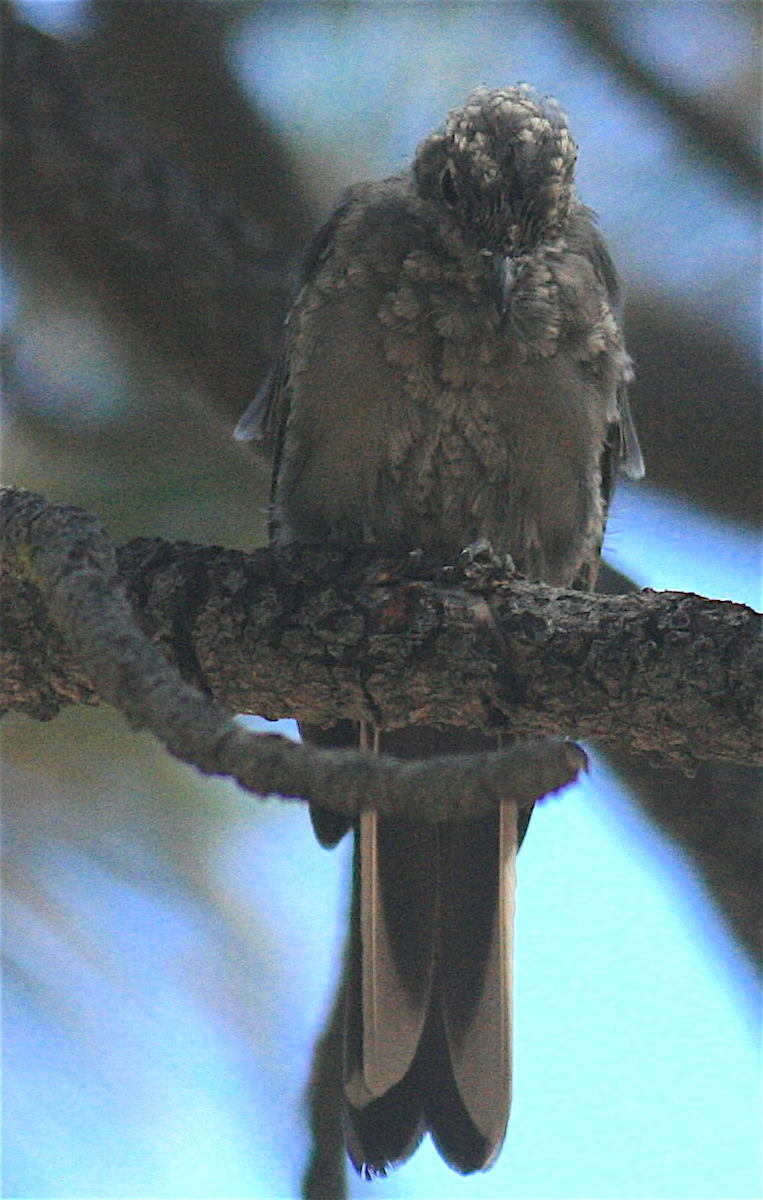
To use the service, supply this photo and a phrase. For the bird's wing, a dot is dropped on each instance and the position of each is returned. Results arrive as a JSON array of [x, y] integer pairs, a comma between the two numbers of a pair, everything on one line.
[[266, 414], [622, 441], [264, 421], [631, 461]]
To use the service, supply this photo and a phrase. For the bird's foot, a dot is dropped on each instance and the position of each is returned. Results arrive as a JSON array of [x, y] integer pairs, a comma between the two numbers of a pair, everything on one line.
[[479, 559]]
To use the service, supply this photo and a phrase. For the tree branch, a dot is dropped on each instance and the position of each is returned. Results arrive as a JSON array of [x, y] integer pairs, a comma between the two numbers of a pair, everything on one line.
[[66, 554], [183, 265], [716, 134], [716, 818], [344, 635]]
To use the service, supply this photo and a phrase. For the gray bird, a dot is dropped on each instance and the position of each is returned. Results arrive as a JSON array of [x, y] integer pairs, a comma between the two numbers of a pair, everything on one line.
[[452, 371]]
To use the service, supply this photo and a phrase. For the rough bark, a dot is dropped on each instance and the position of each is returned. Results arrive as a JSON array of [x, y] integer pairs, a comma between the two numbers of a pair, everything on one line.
[[329, 635], [68, 557]]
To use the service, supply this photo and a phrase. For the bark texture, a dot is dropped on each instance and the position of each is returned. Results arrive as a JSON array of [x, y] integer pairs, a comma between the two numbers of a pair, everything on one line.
[[329, 634]]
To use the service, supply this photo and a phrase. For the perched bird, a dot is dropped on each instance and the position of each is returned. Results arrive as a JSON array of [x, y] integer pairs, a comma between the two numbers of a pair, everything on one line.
[[452, 370]]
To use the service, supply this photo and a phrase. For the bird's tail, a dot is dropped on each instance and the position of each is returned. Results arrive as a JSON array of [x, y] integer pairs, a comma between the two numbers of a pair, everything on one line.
[[428, 1018]]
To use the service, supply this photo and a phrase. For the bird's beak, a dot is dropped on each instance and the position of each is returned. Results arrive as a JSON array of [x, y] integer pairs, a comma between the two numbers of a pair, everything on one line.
[[505, 273]]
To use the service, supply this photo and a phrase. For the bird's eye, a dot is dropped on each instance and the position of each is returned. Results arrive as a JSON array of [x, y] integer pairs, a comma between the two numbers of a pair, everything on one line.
[[448, 185]]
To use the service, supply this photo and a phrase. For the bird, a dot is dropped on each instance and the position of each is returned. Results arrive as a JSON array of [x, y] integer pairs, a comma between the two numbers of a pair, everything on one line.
[[452, 373]]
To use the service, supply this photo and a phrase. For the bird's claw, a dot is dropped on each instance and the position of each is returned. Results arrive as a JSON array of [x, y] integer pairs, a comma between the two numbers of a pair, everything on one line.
[[479, 559]]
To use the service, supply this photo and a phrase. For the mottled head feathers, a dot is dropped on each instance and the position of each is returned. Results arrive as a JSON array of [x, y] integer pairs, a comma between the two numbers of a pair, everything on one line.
[[504, 165]]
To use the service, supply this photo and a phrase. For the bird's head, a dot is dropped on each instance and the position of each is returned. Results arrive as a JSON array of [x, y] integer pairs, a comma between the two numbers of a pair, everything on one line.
[[503, 165]]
